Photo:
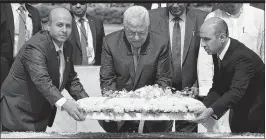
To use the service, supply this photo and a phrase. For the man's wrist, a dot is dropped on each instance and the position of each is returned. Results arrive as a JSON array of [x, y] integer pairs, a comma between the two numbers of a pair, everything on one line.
[[60, 103], [213, 115]]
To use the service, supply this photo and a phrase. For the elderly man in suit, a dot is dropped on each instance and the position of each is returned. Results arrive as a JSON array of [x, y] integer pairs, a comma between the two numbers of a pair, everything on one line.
[[238, 81], [19, 21], [42, 69], [132, 58], [180, 25], [87, 36]]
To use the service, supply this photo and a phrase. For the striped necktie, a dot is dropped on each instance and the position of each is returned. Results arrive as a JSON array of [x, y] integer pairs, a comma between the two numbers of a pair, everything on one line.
[[22, 26], [84, 43], [176, 55], [61, 66]]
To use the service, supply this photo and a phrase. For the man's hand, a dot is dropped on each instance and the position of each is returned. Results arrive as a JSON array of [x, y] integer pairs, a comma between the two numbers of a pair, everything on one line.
[[195, 91], [202, 115], [72, 109]]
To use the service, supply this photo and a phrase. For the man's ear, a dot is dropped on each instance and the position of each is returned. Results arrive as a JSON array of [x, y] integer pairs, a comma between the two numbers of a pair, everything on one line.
[[223, 37], [48, 26]]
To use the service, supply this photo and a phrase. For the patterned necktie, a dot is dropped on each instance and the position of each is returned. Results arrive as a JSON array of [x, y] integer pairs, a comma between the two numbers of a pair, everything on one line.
[[22, 20], [61, 66], [84, 43], [176, 53], [135, 56]]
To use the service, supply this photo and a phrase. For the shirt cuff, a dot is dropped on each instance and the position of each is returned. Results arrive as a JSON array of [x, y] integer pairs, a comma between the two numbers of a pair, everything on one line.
[[204, 90], [60, 103]]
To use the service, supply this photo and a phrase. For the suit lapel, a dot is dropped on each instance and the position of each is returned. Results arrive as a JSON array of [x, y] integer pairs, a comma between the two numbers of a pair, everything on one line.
[[33, 15], [228, 54], [163, 24], [129, 57], [143, 57], [93, 31], [10, 21], [54, 60], [189, 32], [76, 34], [67, 55]]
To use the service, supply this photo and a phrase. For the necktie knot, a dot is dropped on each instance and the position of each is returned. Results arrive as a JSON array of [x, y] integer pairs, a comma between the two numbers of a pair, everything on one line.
[[21, 8], [135, 51], [176, 19], [81, 20]]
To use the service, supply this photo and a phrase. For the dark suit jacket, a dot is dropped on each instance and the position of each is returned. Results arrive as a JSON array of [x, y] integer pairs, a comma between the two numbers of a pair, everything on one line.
[[194, 19], [239, 85], [7, 34], [30, 91], [97, 31], [117, 70]]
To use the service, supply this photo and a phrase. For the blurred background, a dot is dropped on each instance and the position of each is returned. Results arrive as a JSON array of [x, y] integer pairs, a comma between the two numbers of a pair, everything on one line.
[[112, 13]]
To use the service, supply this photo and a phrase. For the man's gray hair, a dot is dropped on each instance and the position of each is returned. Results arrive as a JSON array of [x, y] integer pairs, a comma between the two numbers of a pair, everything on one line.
[[136, 12]]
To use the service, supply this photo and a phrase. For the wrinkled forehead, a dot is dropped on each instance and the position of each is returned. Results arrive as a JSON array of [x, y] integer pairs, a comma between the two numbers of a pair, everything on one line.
[[136, 24]]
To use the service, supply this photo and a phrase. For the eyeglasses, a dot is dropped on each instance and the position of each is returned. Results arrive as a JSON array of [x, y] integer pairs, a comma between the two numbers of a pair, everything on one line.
[[75, 3]]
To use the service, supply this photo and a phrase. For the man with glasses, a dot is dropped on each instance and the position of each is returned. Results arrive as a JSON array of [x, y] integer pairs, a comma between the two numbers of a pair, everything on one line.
[[87, 36], [133, 58]]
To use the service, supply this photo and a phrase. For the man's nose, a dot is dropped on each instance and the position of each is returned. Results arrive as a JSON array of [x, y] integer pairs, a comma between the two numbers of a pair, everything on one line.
[[136, 37], [176, 5], [202, 43], [64, 29], [78, 5]]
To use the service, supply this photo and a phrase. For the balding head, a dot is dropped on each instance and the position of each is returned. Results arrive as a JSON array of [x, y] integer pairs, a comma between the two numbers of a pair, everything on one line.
[[60, 25], [57, 13], [214, 34], [216, 24]]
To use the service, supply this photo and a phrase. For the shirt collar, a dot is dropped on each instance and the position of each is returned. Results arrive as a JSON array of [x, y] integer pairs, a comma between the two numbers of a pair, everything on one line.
[[57, 48], [77, 18], [182, 17], [221, 55], [235, 16], [17, 5]]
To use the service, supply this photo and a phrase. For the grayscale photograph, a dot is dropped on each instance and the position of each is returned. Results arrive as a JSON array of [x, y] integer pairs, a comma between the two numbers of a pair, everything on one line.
[[132, 70]]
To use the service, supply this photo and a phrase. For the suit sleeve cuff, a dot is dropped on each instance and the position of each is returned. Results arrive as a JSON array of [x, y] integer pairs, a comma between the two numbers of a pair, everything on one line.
[[60, 103], [214, 116]]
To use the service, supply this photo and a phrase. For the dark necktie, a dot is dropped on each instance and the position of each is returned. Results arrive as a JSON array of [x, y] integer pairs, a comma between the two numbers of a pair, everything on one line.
[[135, 56], [176, 54], [22, 25], [219, 62], [83, 42]]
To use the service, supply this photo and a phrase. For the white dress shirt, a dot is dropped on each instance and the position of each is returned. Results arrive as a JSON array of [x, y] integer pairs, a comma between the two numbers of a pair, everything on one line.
[[62, 100], [29, 26], [247, 27], [90, 48], [222, 54], [182, 28]]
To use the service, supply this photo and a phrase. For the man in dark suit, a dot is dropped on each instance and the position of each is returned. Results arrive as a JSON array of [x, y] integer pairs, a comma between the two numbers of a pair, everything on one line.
[[11, 39], [41, 70], [180, 25], [87, 36], [132, 58], [238, 82]]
